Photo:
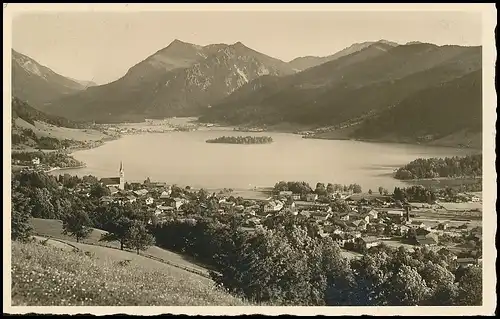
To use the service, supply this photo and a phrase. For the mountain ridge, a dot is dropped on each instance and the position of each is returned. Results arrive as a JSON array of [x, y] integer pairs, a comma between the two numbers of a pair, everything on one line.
[[37, 83], [306, 62], [201, 75], [350, 88]]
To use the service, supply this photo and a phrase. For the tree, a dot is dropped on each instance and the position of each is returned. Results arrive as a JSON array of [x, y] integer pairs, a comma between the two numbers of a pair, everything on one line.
[[320, 189], [380, 190], [118, 230], [441, 281], [356, 188], [138, 237], [97, 191], [330, 189], [20, 217], [41, 202], [407, 288], [77, 224], [470, 287], [370, 191], [202, 194]]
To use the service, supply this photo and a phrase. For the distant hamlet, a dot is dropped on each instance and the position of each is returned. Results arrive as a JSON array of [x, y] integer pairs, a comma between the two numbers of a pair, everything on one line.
[[242, 140]]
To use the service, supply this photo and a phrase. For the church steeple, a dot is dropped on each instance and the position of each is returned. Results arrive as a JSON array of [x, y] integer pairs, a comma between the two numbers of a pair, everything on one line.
[[122, 176]]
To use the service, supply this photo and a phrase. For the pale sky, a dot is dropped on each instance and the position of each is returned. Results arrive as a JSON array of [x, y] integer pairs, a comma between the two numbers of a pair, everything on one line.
[[102, 46]]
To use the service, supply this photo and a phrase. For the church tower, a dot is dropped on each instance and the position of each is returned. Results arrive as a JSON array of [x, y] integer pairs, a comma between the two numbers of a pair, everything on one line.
[[122, 176]]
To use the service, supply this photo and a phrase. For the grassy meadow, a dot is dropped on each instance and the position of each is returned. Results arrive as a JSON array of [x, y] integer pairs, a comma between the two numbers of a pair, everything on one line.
[[53, 228], [48, 274]]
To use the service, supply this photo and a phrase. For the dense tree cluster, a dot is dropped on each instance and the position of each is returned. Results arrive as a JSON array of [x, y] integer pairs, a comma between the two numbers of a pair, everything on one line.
[[242, 140], [36, 194], [304, 188], [286, 264], [467, 166]]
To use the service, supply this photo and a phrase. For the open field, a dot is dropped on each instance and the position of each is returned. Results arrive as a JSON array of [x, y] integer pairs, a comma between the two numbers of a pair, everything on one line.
[[44, 129], [53, 228], [442, 182], [397, 244], [440, 214], [46, 275], [350, 254], [461, 206]]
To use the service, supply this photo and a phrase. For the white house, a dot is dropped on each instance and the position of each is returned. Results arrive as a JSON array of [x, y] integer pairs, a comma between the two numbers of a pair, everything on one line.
[[141, 192], [176, 203], [165, 194], [311, 197], [286, 193], [273, 206], [149, 201], [368, 242], [290, 205], [131, 199], [35, 161], [344, 216], [373, 214], [296, 196]]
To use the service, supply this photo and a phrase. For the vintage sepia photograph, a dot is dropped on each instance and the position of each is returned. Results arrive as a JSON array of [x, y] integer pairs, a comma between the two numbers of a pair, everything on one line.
[[249, 157]]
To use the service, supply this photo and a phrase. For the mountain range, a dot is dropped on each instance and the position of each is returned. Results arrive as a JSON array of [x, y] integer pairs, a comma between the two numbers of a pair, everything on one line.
[[363, 87], [181, 80], [37, 84], [371, 83]]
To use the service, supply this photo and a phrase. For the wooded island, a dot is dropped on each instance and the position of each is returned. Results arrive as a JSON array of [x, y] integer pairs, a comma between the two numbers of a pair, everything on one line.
[[242, 140]]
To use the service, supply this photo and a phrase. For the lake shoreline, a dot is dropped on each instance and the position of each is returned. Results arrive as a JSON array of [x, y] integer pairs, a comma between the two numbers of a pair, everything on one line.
[[291, 129], [342, 135], [391, 142]]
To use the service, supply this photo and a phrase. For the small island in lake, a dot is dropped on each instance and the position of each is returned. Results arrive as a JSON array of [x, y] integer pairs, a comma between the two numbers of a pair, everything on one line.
[[242, 140]]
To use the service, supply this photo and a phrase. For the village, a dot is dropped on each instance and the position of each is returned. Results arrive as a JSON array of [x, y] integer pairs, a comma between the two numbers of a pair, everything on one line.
[[355, 221]]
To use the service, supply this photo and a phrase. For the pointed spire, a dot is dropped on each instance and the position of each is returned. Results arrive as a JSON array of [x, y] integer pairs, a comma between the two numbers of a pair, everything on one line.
[[121, 166]]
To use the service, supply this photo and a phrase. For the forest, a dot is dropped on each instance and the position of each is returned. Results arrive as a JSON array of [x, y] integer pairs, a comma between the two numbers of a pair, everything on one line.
[[449, 167]]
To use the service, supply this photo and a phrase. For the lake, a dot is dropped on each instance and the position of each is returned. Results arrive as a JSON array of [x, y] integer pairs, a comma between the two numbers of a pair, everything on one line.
[[184, 158]]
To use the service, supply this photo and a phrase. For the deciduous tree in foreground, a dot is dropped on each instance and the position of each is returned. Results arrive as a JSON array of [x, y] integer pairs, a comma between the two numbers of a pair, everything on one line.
[[77, 224]]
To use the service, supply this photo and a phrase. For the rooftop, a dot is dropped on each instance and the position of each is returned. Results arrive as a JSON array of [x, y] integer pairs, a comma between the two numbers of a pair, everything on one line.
[[110, 180]]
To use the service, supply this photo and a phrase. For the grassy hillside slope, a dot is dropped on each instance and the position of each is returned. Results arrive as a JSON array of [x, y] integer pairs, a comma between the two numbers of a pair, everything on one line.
[[53, 229], [32, 129], [46, 275]]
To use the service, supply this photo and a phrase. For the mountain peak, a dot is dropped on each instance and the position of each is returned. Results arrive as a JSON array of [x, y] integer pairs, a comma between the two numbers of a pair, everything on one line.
[[239, 45], [383, 41], [180, 44]]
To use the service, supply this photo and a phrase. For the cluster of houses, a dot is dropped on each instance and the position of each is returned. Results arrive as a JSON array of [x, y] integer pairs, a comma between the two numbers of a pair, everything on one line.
[[365, 221], [368, 221]]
